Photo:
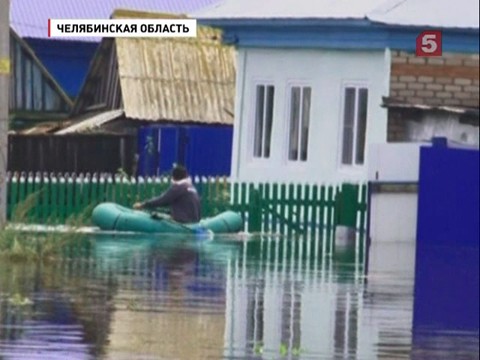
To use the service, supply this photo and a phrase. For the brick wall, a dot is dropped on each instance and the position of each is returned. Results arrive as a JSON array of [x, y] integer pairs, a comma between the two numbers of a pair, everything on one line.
[[449, 80]]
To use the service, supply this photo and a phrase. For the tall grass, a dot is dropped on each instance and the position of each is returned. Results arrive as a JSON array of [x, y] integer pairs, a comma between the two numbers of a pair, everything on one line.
[[24, 245]]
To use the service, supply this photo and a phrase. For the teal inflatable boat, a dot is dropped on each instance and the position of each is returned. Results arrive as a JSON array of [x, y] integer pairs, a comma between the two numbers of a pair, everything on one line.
[[113, 217]]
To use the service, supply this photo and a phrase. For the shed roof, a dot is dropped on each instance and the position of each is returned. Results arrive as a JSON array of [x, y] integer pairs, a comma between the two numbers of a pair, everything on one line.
[[91, 122], [34, 93], [30, 17], [429, 13], [163, 79]]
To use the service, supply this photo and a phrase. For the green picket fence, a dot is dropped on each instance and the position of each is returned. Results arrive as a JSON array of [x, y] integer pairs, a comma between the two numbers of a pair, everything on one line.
[[308, 210]]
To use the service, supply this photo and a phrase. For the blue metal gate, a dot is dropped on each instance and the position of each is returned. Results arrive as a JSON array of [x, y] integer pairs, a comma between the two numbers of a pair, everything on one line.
[[205, 150], [447, 250]]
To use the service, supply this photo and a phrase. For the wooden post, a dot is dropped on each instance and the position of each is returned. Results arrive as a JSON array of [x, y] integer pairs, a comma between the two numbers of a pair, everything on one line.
[[4, 92]]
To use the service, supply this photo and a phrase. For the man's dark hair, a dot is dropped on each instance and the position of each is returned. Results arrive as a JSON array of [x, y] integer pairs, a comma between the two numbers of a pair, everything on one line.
[[179, 173]]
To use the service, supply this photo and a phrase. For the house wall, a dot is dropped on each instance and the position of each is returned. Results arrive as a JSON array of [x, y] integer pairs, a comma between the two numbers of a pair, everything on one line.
[[449, 80], [325, 71]]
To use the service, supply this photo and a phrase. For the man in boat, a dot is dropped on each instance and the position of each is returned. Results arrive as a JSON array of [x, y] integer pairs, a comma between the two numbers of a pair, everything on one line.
[[181, 197]]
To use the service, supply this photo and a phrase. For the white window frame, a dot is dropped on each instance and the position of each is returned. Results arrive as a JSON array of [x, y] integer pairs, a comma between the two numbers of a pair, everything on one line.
[[288, 110], [357, 85], [253, 121]]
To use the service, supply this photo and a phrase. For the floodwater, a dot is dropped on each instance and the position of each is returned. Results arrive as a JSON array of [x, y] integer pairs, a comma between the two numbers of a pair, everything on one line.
[[131, 297]]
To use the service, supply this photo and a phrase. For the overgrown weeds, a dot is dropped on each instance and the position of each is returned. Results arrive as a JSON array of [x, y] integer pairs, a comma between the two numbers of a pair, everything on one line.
[[18, 245], [29, 245]]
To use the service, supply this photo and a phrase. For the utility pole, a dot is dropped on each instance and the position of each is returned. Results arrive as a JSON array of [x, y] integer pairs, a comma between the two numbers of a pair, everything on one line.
[[4, 92]]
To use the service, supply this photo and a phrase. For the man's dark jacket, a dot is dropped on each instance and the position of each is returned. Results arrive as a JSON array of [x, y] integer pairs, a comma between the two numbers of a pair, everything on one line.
[[183, 199]]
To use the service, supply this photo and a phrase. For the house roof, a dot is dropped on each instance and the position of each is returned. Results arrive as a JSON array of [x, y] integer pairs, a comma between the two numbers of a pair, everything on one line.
[[30, 17], [42, 128], [91, 122], [344, 24], [50, 97], [162, 79], [429, 13]]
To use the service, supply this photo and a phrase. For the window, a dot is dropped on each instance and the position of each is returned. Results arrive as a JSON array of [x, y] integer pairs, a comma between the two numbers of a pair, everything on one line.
[[263, 120], [354, 125], [299, 120]]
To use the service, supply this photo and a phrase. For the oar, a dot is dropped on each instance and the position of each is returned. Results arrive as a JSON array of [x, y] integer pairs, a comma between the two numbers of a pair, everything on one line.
[[165, 216]]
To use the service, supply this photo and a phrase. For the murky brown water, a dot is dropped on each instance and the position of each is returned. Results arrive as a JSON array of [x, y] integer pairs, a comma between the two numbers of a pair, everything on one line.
[[230, 298]]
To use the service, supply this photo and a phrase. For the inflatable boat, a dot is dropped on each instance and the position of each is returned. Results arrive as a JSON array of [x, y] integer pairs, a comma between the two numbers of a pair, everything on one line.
[[114, 217]]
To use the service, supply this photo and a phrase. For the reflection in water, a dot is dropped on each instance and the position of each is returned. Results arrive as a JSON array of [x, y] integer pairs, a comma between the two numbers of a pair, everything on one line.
[[174, 308], [297, 301], [231, 297], [52, 312], [446, 308]]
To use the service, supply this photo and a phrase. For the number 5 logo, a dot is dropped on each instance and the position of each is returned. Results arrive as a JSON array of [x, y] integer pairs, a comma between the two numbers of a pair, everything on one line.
[[429, 43]]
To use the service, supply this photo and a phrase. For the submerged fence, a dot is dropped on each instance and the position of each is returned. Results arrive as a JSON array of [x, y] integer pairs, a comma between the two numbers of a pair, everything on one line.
[[312, 210]]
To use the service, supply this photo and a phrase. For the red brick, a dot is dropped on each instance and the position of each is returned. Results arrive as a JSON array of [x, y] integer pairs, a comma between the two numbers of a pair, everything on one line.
[[468, 72]]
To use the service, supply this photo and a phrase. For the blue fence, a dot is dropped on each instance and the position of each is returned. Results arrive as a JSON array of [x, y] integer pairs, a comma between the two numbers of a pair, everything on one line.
[[447, 254], [206, 150]]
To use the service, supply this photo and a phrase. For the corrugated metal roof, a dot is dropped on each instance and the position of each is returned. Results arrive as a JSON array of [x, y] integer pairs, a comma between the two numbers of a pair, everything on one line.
[[434, 13], [90, 122], [43, 128], [164, 79], [177, 79], [30, 17]]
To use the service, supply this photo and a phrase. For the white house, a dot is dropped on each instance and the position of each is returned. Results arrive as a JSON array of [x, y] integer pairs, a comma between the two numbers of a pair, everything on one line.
[[311, 77]]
